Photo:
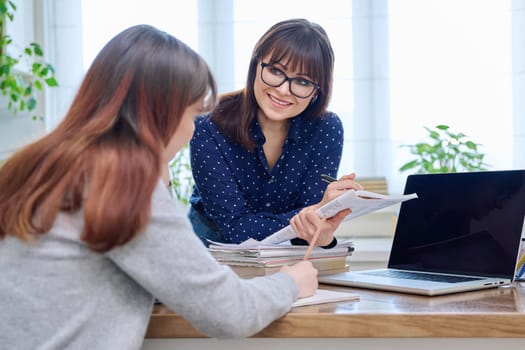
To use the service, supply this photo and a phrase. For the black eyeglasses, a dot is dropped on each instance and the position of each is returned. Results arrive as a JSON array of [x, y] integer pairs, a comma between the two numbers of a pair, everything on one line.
[[274, 77]]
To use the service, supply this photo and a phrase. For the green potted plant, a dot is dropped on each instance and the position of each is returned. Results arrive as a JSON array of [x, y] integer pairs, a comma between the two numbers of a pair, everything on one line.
[[181, 176], [23, 71], [445, 152]]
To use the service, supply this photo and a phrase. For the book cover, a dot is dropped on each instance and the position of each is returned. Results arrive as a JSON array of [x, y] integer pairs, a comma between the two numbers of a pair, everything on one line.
[[254, 271]]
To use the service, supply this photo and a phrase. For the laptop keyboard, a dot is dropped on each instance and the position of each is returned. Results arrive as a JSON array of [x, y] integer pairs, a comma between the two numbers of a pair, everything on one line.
[[420, 276]]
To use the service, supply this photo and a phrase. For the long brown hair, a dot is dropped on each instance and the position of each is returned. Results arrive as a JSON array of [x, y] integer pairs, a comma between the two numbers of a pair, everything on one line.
[[105, 156], [298, 43]]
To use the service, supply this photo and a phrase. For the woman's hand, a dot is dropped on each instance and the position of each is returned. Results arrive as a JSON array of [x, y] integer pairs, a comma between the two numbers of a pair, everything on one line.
[[337, 188], [307, 223], [305, 276]]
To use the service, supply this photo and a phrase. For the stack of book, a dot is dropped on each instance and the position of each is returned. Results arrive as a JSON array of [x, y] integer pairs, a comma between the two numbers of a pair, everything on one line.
[[374, 184], [250, 260]]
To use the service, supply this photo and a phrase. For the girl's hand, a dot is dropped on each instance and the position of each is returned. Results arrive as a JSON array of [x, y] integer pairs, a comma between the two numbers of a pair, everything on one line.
[[305, 276]]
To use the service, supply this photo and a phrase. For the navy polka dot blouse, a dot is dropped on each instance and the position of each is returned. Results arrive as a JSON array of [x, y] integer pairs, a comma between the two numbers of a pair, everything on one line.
[[237, 191]]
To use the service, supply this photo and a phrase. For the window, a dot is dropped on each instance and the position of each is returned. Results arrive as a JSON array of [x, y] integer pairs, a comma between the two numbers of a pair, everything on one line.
[[451, 63], [101, 25]]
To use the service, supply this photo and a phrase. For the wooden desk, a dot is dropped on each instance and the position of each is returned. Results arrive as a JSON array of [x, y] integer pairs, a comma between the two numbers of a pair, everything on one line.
[[497, 315]]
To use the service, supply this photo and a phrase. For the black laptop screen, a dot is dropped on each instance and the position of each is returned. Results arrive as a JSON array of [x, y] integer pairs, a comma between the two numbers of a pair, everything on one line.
[[464, 223]]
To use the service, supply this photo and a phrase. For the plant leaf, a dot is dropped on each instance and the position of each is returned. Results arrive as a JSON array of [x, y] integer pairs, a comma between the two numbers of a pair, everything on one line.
[[51, 82], [409, 165]]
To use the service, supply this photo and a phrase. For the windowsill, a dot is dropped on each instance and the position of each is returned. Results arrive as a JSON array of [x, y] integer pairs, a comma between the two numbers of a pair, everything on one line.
[[372, 236], [380, 223]]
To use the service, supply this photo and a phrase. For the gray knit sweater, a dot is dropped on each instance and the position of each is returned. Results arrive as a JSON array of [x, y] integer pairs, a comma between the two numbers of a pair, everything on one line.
[[57, 294]]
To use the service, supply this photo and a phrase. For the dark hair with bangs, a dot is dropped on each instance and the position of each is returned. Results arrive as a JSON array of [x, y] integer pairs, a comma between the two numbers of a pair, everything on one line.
[[296, 43]]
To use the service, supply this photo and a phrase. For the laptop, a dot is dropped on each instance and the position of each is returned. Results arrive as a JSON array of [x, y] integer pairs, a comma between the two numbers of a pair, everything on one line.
[[462, 233]]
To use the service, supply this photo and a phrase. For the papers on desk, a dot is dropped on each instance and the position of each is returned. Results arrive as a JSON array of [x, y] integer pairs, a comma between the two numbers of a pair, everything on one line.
[[258, 253], [322, 296], [252, 247], [252, 258], [359, 202]]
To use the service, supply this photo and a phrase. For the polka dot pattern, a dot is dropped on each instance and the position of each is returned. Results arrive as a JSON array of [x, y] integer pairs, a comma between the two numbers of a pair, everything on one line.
[[239, 192]]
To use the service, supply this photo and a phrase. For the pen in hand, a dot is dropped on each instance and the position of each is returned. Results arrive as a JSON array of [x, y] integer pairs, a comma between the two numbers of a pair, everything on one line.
[[327, 178], [312, 244]]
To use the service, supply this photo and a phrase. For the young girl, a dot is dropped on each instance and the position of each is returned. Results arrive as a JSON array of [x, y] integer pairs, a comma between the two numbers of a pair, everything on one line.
[[89, 235], [258, 157]]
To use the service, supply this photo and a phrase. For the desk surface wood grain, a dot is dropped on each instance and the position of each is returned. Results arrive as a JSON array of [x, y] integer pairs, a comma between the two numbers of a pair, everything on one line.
[[498, 312]]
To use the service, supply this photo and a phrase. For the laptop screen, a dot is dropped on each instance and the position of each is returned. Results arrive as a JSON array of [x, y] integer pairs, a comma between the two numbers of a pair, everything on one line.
[[462, 223]]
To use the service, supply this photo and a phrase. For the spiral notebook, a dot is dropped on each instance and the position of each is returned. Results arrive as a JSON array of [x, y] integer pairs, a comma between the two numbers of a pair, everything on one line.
[[462, 233]]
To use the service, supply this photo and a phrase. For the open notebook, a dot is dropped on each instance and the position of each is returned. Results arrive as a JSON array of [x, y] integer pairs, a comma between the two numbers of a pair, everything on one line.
[[462, 233], [323, 296]]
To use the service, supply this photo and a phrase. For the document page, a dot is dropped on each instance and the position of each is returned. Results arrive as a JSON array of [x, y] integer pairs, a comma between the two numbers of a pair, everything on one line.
[[359, 202]]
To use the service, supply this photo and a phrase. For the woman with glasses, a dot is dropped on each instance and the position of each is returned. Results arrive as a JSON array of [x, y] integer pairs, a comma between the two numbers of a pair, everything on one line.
[[257, 158]]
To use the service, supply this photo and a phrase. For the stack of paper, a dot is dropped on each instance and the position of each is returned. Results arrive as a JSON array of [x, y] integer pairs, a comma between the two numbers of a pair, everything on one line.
[[252, 258]]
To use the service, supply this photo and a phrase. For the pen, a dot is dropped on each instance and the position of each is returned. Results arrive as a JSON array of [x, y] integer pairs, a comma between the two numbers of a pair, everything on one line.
[[311, 245], [327, 178]]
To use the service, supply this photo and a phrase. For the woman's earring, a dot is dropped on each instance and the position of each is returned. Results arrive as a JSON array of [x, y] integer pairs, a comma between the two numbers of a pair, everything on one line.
[[314, 99]]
